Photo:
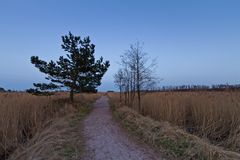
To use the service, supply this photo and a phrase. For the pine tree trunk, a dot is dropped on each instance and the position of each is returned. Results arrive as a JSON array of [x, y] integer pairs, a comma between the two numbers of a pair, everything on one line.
[[125, 95], [71, 95]]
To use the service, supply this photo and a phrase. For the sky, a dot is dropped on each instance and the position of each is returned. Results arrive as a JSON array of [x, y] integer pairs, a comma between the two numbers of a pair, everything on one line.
[[194, 41]]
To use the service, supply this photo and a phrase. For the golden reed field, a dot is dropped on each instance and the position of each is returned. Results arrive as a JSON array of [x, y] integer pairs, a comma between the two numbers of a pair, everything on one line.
[[23, 115], [213, 116]]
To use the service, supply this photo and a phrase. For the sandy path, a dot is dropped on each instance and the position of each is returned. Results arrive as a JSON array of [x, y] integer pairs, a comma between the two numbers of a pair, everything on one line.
[[106, 140]]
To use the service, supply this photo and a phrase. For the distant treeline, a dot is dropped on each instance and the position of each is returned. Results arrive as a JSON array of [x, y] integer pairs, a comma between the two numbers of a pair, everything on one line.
[[8, 90], [219, 87], [2, 89]]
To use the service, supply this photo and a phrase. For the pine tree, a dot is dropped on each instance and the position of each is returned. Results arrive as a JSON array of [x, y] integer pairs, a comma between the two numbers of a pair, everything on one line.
[[78, 71]]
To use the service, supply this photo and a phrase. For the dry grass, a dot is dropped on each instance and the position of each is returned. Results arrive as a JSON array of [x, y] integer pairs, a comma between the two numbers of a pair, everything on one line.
[[174, 141], [213, 116], [22, 116]]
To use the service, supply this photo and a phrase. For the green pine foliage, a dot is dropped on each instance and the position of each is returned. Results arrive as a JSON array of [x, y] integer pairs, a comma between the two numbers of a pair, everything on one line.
[[78, 71]]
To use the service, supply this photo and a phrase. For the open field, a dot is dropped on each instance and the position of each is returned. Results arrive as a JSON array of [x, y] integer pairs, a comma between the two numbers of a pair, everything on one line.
[[22, 116], [188, 124], [213, 116]]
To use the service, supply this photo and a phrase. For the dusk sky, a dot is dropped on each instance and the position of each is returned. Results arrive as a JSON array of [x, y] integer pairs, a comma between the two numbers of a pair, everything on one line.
[[195, 41]]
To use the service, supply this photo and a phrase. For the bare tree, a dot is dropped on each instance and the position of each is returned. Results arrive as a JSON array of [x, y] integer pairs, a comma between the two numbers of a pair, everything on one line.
[[138, 73], [118, 80]]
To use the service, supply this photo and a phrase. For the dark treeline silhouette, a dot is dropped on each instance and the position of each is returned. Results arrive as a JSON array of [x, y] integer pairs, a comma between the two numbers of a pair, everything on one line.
[[182, 88], [2, 89]]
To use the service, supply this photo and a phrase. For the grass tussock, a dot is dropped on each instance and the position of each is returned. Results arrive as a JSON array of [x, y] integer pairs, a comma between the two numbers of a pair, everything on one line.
[[24, 117], [210, 115], [174, 141], [213, 116]]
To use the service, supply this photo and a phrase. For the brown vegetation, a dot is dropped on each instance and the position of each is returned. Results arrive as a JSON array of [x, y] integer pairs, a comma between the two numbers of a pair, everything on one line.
[[212, 116], [22, 116], [173, 141]]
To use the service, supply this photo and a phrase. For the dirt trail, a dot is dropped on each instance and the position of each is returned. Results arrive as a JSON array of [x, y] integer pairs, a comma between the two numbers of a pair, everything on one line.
[[106, 140]]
